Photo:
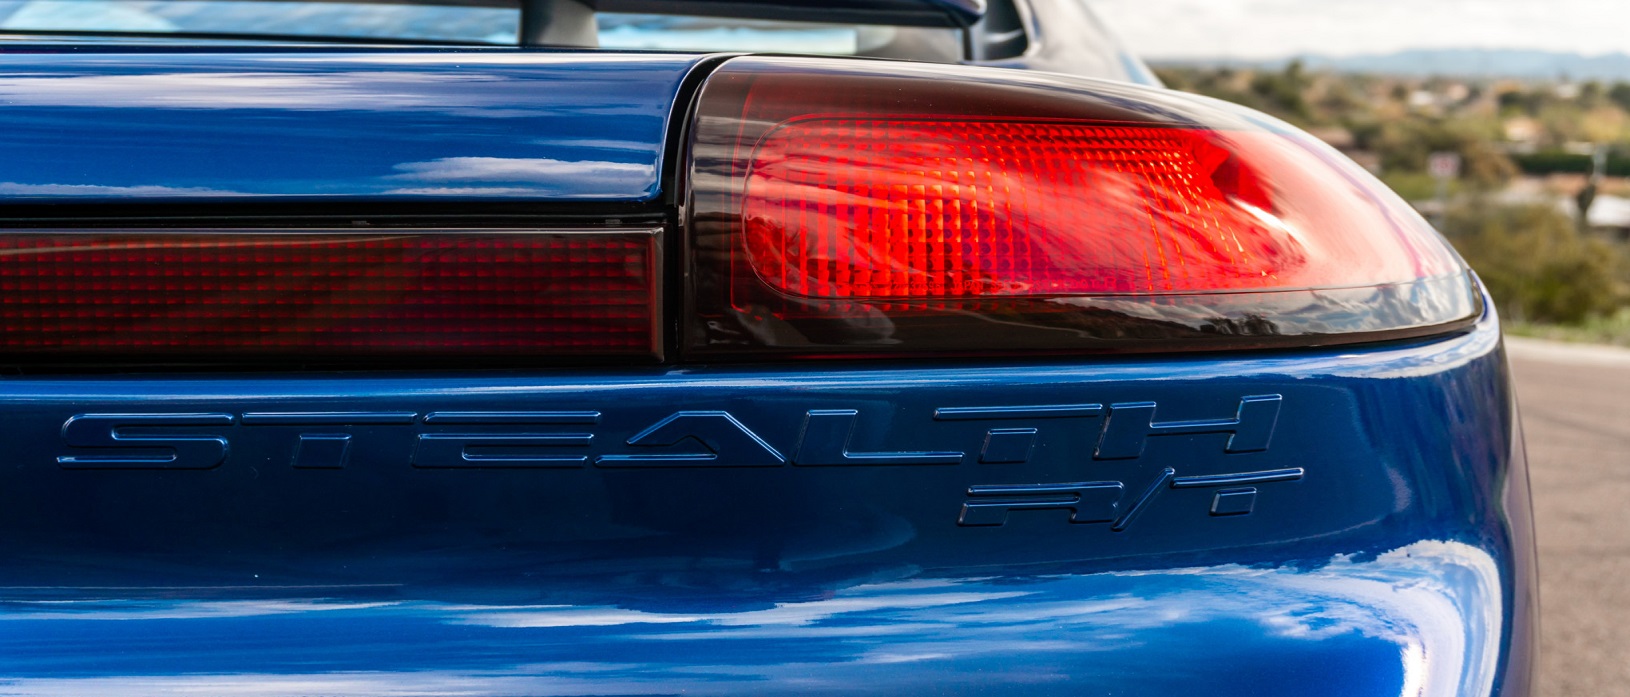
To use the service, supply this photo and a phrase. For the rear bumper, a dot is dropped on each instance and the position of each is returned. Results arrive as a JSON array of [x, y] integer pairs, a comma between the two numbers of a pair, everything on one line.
[[950, 529]]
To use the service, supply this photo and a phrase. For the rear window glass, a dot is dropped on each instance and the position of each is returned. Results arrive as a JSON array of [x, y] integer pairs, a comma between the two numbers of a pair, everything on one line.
[[682, 33], [250, 19], [234, 18]]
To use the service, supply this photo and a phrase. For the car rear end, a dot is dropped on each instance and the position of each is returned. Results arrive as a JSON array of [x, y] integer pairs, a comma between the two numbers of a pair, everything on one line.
[[388, 371]]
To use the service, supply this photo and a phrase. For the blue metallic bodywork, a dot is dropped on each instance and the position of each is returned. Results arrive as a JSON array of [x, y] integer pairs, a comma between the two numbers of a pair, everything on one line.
[[1396, 563], [1335, 521], [87, 125]]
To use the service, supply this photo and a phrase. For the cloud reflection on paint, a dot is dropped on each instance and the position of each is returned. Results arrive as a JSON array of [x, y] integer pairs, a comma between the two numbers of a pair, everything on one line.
[[22, 190], [478, 94], [524, 175], [1436, 605]]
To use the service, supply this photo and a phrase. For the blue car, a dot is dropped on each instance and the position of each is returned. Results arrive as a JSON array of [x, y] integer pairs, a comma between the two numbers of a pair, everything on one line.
[[721, 348]]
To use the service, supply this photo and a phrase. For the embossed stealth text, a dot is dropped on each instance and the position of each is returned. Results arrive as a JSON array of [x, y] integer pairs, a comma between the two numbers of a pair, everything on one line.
[[712, 439]]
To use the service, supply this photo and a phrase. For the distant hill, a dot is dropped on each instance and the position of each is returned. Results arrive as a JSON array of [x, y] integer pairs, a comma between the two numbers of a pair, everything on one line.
[[1468, 62]]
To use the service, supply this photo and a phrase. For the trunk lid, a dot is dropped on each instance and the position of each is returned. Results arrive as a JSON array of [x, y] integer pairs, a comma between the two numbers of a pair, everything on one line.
[[178, 125]]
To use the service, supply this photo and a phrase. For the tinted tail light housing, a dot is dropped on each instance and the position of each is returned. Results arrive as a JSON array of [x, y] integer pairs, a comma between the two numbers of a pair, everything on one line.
[[371, 298], [845, 207]]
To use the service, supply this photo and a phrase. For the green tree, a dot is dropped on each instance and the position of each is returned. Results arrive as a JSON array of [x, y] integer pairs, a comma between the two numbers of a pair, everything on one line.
[[1525, 102], [1592, 94], [1284, 92], [1619, 94], [1340, 100], [1176, 78], [1405, 144]]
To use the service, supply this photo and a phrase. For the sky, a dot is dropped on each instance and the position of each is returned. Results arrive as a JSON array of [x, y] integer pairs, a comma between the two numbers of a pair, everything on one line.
[[1249, 29]]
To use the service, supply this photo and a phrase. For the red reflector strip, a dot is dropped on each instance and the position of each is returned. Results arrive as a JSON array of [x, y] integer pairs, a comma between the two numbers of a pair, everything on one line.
[[220, 294], [863, 208]]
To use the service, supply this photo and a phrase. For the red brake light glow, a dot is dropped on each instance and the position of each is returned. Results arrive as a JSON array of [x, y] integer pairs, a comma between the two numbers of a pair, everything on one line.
[[853, 208]]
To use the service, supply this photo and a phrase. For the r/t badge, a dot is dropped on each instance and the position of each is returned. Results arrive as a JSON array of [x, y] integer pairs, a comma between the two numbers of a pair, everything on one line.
[[1127, 428], [1106, 502]]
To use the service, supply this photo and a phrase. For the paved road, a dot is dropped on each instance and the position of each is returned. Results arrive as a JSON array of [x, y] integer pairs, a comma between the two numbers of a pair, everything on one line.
[[1576, 411]]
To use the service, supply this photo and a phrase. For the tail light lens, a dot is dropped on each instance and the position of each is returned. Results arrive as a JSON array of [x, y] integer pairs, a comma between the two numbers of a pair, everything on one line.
[[845, 207], [237, 295]]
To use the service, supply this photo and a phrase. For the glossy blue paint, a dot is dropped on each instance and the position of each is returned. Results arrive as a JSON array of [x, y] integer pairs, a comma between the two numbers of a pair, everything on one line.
[[174, 124], [1397, 562], [1334, 521], [1425, 616]]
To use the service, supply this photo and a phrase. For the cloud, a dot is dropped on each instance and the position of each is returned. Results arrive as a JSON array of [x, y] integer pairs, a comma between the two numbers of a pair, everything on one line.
[[1249, 29]]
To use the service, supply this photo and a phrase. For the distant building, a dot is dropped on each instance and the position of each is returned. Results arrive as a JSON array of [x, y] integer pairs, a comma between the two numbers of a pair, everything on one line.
[[1524, 133], [1608, 214]]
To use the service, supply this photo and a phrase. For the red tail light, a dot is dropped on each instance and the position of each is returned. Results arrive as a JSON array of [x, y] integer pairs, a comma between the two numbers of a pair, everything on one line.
[[143, 295], [842, 206]]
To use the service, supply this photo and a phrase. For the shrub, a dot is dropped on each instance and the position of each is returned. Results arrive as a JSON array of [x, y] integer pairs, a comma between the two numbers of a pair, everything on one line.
[[1552, 162], [1535, 264]]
